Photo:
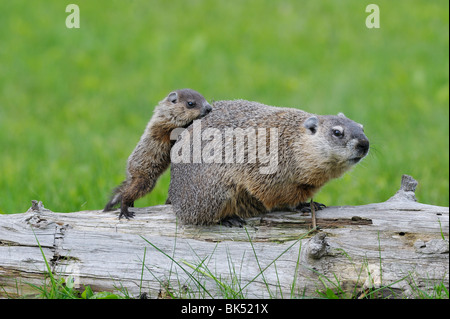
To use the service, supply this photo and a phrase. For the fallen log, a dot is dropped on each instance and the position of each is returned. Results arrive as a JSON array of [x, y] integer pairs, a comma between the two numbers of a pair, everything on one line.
[[389, 249]]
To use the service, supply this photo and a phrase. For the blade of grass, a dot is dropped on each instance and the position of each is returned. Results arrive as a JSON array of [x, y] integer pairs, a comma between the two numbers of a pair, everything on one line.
[[179, 265], [257, 262], [142, 272], [278, 257]]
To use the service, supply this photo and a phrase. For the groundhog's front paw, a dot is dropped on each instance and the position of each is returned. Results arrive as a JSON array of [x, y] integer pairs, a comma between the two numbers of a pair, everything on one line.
[[233, 221], [306, 207]]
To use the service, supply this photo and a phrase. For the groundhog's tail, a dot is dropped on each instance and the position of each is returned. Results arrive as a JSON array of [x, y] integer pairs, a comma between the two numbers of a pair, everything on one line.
[[116, 198]]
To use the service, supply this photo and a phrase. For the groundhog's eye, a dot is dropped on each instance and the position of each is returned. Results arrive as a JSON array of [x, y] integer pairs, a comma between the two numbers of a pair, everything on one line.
[[190, 104], [338, 133]]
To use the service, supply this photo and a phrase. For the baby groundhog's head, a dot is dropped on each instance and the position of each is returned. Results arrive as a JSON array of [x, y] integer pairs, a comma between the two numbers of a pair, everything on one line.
[[181, 107], [340, 141]]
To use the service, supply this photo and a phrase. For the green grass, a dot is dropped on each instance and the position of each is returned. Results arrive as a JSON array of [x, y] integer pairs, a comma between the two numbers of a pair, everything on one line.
[[74, 102]]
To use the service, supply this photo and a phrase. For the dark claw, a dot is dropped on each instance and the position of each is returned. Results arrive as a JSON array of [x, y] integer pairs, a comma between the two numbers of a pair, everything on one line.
[[306, 207], [233, 221], [126, 214]]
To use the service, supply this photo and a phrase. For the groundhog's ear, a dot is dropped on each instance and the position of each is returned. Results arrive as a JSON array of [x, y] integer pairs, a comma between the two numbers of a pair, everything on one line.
[[311, 124], [341, 115], [173, 97]]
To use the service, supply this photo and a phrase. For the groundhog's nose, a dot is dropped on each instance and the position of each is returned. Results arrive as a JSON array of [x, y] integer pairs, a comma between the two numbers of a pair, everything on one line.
[[363, 146]]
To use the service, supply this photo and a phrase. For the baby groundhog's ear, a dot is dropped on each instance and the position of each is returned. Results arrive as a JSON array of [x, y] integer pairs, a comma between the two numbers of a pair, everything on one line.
[[342, 115], [311, 124], [173, 97]]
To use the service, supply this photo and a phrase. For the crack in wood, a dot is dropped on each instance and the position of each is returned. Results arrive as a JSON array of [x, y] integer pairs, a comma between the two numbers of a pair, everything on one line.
[[321, 222], [58, 240]]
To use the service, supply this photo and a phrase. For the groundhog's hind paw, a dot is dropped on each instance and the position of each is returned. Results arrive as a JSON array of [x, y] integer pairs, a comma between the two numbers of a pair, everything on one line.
[[233, 221], [126, 214]]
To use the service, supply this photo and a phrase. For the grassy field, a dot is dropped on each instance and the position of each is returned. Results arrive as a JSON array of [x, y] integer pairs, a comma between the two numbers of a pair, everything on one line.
[[74, 102]]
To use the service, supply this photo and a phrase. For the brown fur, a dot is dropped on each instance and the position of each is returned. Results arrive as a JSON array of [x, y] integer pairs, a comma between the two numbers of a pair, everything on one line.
[[309, 155], [151, 157]]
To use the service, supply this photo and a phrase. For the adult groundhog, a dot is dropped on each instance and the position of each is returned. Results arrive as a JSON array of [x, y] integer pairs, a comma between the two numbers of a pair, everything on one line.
[[151, 157], [288, 155]]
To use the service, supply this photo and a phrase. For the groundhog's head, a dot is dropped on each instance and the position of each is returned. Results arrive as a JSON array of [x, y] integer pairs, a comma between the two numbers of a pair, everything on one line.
[[338, 141], [181, 107]]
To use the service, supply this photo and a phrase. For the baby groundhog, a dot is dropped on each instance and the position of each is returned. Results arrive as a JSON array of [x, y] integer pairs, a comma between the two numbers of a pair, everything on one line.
[[247, 158], [151, 157]]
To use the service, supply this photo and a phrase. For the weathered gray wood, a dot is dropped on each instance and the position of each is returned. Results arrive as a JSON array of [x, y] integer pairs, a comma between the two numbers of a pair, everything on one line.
[[398, 243]]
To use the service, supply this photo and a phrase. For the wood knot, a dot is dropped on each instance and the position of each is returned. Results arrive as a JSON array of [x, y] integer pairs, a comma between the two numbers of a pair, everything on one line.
[[434, 246], [318, 246]]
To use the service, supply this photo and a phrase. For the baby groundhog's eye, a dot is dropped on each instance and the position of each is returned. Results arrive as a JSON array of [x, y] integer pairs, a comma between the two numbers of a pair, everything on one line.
[[190, 104]]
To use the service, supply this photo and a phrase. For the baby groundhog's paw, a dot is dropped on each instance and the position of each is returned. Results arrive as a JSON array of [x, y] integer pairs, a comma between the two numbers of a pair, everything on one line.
[[233, 221], [306, 207], [127, 214]]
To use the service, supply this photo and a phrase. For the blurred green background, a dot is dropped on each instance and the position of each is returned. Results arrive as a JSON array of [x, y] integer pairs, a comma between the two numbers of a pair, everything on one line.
[[74, 102]]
